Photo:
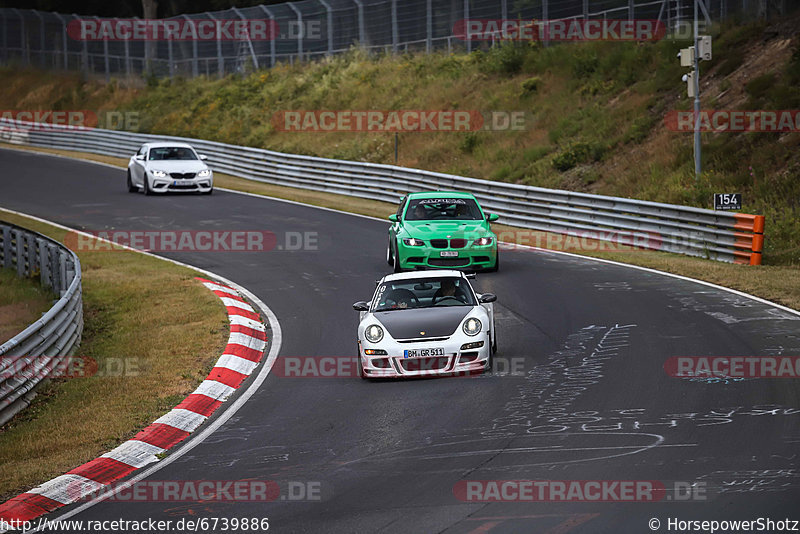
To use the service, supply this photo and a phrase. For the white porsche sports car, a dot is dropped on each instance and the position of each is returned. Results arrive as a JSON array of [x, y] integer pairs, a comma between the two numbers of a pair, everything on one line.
[[169, 167], [425, 323]]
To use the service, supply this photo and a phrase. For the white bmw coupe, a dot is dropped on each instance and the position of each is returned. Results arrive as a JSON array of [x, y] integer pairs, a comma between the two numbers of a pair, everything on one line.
[[169, 167]]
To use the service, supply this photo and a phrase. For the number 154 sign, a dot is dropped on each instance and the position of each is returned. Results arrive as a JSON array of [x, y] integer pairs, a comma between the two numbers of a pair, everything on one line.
[[727, 201]]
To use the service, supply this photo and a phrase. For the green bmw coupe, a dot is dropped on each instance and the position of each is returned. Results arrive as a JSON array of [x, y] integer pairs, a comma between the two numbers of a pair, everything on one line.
[[441, 229]]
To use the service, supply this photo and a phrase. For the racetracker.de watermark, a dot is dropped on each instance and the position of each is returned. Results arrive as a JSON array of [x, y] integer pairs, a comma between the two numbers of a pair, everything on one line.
[[408, 120], [207, 29], [733, 366], [197, 491], [582, 240], [32, 367], [559, 30], [190, 240], [347, 367], [731, 120]]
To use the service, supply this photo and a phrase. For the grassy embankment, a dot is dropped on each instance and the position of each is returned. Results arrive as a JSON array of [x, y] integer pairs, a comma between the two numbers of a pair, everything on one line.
[[154, 333], [22, 301]]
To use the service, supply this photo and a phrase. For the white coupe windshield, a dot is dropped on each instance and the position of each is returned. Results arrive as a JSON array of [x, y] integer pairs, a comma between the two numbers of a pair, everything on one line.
[[422, 293], [172, 153]]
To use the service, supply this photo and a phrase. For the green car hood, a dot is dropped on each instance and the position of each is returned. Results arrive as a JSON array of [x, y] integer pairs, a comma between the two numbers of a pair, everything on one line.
[[444, 229]]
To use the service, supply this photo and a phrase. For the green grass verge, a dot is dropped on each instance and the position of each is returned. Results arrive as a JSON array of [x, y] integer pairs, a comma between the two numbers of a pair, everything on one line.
[[154, 332], [22, 301]]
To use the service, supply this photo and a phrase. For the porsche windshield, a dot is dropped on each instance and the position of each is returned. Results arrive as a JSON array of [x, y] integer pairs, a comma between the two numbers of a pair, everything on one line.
[[422, 293], [432, 209], [172, 153]]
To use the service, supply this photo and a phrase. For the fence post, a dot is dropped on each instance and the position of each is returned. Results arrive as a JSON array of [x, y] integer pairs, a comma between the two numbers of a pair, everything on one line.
[[41, 36], [395, 36], [63, 39], [466, 17], [5, 32], [361, 35], [195, 55], [105, 55], [544, 18], [586, 9], [504, 9], [429, 26], [170, 61], [301, 32], [631, 14], [23, 38], [274, 36], [329, 29], [220, 63]]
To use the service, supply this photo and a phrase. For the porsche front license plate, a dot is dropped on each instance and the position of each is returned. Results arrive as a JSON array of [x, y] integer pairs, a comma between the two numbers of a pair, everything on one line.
[[423, 353], [448, 254], [182, 182]]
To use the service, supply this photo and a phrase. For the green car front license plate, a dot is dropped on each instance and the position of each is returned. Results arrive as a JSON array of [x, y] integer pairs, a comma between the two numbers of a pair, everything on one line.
[[448, 254], [423, 353]]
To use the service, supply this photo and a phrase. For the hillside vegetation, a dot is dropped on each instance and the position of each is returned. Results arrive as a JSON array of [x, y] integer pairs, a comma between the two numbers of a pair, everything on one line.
[[595, 115]]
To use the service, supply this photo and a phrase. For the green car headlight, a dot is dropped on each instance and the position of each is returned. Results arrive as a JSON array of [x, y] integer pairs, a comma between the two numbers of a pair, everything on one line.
[[373, 333], [414, 242], [483, 241], [472, 326]]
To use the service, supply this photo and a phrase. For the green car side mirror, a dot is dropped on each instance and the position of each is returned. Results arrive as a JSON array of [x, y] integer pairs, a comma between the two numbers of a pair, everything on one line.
[[393, 217], [491, 217]]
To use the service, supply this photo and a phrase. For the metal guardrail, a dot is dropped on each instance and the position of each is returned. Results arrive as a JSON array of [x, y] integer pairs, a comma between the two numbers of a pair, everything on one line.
[[717, 235], [33, 354]]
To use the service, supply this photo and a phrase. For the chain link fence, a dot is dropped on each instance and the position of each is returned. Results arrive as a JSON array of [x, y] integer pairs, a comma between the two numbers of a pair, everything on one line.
[[310, 29]]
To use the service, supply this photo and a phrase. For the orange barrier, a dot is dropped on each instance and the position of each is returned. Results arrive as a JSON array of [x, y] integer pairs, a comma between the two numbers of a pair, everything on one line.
[[751, 239]]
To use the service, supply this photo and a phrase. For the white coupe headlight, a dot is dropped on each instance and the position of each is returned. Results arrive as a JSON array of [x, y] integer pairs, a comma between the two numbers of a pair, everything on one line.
[[204, 173], [472, 326], [373, 333], [158, 174]]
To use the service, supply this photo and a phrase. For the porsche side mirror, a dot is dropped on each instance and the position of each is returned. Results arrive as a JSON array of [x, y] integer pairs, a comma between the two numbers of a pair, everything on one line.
[[487, 297], [393, 217], [361, 306], [491, 217]]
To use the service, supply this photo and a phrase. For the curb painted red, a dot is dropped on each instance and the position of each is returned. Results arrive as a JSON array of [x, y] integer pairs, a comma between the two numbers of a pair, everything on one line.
[[244, 351]]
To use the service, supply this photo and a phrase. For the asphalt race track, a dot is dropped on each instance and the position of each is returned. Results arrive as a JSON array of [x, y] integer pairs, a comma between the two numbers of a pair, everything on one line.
[[580, 393]]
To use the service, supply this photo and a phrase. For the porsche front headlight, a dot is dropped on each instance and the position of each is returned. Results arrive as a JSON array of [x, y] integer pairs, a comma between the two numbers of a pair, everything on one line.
[[373, 333], [472, 326]]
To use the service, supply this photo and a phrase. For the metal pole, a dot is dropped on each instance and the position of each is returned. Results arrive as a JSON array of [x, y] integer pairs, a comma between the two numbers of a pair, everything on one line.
[[696, 80], [84, 54], [105, 57], [429, 26], [361, 36], [504, 9], [127, 46], [329, 12], [23, 39], [300, 32], [273, 37], [586, 9], [5, 32], [170, 59], [466, 18], [195, 70], [220, 63], [41, 36], [395, 32], [630, 10], [63, 39], [544, 18]]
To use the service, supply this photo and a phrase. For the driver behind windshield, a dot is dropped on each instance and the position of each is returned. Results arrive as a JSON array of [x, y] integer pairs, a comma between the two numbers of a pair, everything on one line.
[[448, 289]]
